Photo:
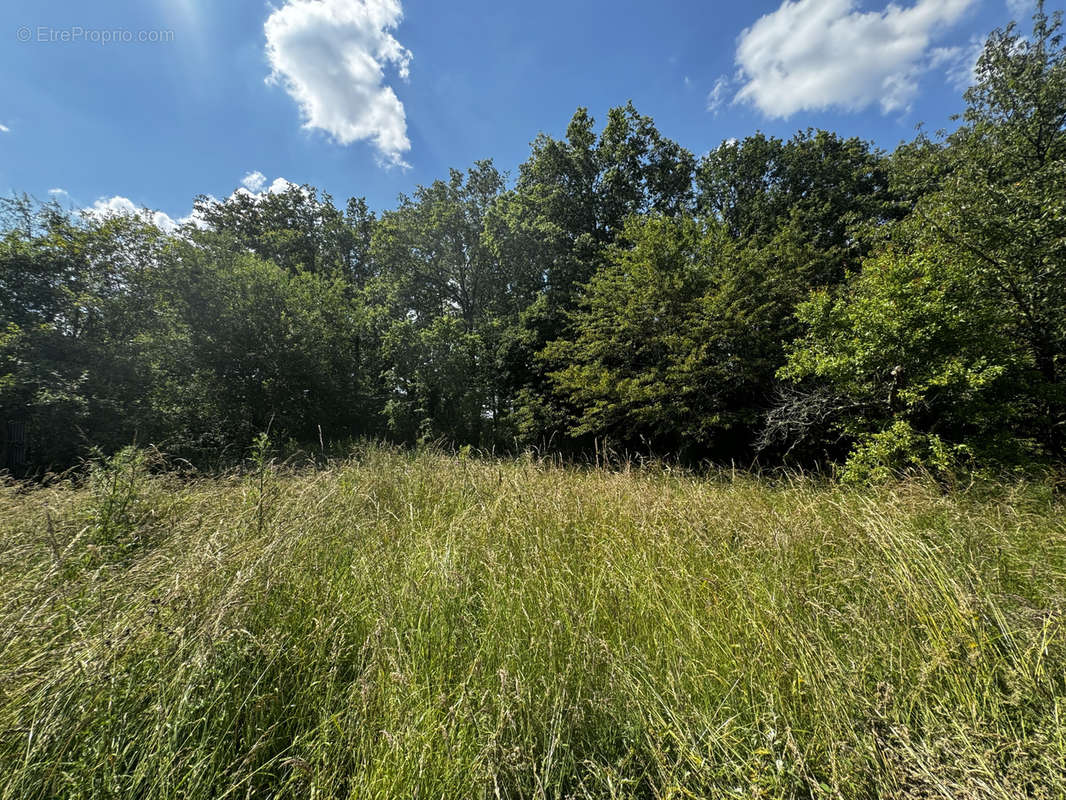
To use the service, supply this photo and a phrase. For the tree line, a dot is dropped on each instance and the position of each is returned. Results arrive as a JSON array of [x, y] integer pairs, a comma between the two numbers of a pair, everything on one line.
[[810, 301]]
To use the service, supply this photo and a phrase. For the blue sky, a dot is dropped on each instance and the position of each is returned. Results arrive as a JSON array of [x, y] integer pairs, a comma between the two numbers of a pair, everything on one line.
[[372, 97]]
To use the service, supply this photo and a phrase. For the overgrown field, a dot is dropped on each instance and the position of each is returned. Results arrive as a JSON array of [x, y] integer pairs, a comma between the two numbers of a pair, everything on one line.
[[402, 626]]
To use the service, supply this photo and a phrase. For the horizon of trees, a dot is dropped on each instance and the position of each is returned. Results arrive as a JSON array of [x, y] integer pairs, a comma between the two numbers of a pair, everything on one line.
[[810, 301]]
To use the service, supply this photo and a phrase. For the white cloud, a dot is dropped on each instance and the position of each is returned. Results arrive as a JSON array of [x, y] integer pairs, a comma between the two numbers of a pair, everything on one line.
[[59, 193], [258, 188], [816, 54], [124, 207], [1020, 9], [279, 185], [107, 207], [330, 55], [4, 129], [254, 181], [118, 206], [716, 96], [959, 64]]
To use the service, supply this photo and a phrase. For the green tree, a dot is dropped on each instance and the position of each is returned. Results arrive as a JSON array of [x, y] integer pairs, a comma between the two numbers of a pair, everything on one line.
[[919, 362], [73, 305], [252, 345], [295, 228], [677, 340], [571, 201], [439, 296], [950, 343], [827, 190]]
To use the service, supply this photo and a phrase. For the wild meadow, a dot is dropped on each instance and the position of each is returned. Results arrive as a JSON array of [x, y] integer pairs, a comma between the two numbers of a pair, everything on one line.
[[401, 624], [877, 613]]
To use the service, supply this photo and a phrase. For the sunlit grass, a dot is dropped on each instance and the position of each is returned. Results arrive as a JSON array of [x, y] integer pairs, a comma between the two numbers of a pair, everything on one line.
[[403, 626]]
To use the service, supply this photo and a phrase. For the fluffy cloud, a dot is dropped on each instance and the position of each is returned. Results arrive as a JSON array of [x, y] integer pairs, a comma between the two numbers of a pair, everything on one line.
[[254, 186], [816, 54], [4, 129], [959, 64], [257, 187], [1020, 9], [124, 207], [331, 55], [254, 181]]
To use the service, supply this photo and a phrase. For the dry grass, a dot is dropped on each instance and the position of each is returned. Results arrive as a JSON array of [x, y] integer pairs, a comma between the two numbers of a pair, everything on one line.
[[403, 626]]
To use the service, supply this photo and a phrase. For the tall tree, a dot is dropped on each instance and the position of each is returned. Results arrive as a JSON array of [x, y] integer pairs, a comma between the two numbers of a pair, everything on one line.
[[952, 340], [74, 303], [827, 190], [571, 201], [295, 228], [440, 293]]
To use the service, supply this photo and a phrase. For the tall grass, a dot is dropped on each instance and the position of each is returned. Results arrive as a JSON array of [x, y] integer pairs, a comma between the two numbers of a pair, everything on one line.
[[422, 626]]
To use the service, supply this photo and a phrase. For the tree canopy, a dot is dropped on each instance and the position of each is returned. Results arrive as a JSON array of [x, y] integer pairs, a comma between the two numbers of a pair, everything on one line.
[[810, 301]]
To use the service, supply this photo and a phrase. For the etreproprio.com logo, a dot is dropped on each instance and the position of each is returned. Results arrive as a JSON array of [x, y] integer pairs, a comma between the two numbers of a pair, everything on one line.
[[74, 34]]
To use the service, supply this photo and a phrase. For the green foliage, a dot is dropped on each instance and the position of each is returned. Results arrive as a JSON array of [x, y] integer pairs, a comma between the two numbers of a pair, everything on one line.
[[898, 451], [811, 301], [1004, 207], [916, 340], [294, 228], [440, 302], [827, 192], [10, 340], [118, 510], [73, 302], [677, 339], [553, 231], [250, 342], [951, 339], [435, 391], [633, 367]]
